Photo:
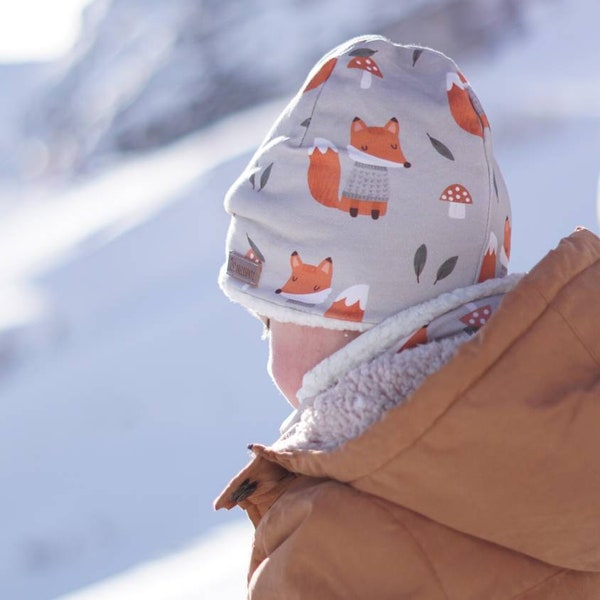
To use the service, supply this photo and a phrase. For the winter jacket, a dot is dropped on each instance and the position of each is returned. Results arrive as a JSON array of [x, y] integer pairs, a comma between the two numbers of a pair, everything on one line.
[[484, 484]]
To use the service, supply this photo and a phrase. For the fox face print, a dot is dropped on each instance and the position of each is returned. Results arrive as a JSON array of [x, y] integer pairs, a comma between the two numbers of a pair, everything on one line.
[[308, 284]]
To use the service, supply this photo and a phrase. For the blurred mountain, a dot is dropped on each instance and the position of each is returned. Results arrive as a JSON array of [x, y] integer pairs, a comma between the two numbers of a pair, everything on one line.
[[145, 72], [18, 83]]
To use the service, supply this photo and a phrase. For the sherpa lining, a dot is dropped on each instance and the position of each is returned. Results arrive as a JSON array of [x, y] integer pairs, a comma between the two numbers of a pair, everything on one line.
[[353, 388], [365, 394], [381, 337]]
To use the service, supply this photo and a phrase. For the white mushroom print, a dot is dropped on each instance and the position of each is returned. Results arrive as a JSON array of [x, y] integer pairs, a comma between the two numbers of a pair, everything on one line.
[[362, 59], [457, 196]]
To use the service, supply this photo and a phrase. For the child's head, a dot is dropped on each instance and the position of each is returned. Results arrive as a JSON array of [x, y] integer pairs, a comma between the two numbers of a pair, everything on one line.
[[375, 190]]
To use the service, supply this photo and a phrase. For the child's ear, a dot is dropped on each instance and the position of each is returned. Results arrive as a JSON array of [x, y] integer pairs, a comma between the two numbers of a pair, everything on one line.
[[295, 260], [392, 126], [326, 265], [358, 124]]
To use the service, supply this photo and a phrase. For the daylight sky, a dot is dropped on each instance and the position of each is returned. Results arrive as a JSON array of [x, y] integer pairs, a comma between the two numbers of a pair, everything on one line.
[[38, 29]]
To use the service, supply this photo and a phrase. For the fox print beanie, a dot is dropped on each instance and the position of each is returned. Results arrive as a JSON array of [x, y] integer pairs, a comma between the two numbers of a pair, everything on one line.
[[375, 190]]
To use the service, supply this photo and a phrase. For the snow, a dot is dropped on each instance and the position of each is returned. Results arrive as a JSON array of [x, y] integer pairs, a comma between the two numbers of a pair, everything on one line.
[[126, 406], [19, 307], [39, 233], [116, 438], [194, 573], [27, 324], [23, 80]]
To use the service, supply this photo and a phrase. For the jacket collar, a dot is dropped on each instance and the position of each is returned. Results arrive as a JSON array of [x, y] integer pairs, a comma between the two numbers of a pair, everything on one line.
[[501, 443]]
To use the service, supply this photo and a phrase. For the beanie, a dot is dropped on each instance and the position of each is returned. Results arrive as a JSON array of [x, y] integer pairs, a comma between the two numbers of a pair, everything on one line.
[[375, 190]]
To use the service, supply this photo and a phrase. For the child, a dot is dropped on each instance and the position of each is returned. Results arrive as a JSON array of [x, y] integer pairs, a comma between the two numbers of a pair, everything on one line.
[[429, 457]]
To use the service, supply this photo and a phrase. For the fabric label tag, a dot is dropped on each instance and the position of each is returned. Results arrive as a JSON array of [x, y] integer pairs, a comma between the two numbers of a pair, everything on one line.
[[244, 269]]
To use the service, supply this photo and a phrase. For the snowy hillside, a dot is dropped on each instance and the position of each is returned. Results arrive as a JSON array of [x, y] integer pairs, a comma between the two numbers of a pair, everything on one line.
[[118, 432], [210, 569], [125, 384]]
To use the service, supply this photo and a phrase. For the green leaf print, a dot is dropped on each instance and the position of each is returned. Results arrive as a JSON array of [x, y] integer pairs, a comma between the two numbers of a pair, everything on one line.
[[441, 148], [252, 177], [495, 186], [420, 260], [362, 52], [416, 54], [265, 177], [446, 268]]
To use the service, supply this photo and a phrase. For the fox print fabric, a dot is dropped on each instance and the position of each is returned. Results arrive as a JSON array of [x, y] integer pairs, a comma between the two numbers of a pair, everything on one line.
[[373, 151], [308, 284], [380, 168]]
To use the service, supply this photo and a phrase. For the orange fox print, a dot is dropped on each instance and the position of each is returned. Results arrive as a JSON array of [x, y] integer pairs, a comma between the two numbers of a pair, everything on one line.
[[309, 284], [417, 338], [461, 105], [322, 75], [488, 265], [373, 151], [350, 304]]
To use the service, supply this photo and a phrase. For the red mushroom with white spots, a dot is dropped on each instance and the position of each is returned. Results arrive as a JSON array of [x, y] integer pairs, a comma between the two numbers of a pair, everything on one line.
[[478, 316], [362, 60], [251, 255], [458, 197]]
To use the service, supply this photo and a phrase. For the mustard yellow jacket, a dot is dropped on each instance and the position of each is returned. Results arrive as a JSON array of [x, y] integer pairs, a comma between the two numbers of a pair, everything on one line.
[[484, 486]]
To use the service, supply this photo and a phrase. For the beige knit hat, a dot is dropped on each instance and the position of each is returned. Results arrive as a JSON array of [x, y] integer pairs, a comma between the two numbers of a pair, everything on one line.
[[375, 190]]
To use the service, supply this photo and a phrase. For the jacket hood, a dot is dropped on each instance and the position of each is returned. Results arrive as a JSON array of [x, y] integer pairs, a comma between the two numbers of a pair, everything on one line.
[[502, 442]]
